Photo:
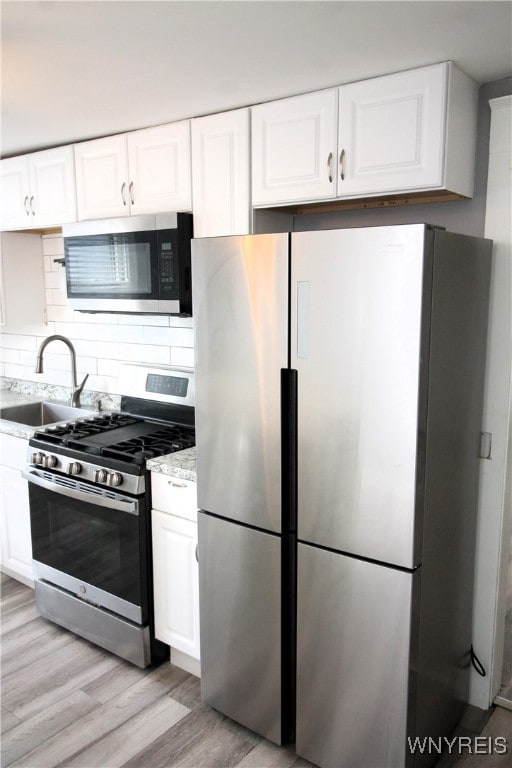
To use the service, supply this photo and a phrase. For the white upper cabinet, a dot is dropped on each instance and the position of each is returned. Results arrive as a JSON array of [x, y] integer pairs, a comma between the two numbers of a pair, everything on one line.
[[102, 178], [403, 133], [159, 167], [144, 171], [220, 174], [392, 133], [293, 148], [38, 190]]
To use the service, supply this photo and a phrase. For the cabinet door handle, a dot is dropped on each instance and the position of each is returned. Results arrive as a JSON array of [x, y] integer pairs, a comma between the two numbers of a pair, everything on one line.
[[342, 165], [197, 555], [130, 191], [25, 204], [329, 166], [123, 190], [32, 211], [176, 484]]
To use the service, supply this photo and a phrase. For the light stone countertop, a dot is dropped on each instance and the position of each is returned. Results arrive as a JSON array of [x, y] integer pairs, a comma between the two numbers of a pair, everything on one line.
[[180, 464]]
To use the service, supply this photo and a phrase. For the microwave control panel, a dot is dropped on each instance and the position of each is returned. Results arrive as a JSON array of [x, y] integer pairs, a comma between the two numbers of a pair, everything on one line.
[[168, 268], [174, 270]]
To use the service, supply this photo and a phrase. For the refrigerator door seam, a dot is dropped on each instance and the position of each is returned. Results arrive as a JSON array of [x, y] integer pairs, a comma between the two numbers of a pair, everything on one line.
[[354, 556]]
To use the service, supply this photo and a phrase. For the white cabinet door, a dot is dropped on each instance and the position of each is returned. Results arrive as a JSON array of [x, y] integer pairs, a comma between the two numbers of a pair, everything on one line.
[[220, 173], [392, 132], [14, 193], [159, 169], [16, 538], [38, 190], [52, 186], [22, 287], [101, 169], [176, 582], [15, 526], [294, 148]]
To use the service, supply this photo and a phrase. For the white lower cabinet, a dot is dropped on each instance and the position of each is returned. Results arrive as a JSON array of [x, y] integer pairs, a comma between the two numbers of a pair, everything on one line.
[[175, 569], [16, 540]]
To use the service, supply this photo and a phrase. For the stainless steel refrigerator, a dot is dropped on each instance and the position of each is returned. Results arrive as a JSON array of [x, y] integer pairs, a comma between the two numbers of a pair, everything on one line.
[[339, 382]]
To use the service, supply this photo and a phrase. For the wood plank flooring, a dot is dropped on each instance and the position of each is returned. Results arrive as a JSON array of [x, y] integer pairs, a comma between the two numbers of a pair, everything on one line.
[[66, 702]]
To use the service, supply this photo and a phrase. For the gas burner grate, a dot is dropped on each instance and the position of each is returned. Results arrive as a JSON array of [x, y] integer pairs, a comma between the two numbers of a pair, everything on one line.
[[69, 432], [140, 449]]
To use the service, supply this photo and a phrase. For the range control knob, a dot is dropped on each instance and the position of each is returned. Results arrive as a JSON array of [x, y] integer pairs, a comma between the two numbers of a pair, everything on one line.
[[49, 461], [37, 458], [74, 468], [100, 475], [115, 479]]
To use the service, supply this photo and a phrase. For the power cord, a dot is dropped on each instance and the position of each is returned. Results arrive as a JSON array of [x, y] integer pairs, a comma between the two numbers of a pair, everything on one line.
[[477, 664]]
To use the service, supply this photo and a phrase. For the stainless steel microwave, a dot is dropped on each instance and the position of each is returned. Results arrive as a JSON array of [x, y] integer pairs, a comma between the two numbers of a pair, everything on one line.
[[140, 264]]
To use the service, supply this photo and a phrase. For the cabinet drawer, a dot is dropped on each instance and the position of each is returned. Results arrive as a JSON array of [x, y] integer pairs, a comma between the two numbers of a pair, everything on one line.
[[174, 495]]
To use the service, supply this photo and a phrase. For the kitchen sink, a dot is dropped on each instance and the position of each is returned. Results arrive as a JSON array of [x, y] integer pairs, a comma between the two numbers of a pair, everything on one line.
[[41, 413]]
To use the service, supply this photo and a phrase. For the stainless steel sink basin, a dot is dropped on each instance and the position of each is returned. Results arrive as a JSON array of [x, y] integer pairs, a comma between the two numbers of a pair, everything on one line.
[[41, 413]]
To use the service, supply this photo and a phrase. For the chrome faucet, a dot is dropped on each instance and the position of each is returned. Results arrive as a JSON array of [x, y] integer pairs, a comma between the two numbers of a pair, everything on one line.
[[76, 389]]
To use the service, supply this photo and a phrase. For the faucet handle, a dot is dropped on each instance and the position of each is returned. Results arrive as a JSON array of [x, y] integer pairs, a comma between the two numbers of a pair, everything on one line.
[[75, 396]]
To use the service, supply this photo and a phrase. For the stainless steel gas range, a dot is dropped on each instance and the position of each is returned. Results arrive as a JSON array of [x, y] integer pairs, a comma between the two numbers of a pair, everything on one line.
[[90, 510]]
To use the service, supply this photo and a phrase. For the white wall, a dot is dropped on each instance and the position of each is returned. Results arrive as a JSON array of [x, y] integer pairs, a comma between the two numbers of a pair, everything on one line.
[[102, 341], [494, 526]]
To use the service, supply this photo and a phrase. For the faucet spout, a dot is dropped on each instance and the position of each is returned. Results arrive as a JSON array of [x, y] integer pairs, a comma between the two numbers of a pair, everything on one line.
[[76, 389]]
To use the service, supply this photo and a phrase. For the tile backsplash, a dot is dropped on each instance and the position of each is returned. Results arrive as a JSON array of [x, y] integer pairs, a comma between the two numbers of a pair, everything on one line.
[[102, 341]]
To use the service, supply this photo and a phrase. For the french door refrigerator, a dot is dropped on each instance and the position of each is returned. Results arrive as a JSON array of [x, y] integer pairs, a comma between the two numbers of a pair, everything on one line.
[[339, 381]]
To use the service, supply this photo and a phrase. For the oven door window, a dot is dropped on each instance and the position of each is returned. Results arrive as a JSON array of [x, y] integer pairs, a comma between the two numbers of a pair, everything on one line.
[[97, 545], [112, 266]]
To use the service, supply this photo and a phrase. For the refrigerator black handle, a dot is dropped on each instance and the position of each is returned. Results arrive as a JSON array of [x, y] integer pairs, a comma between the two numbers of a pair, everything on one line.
[[288, 550], [289, 450]]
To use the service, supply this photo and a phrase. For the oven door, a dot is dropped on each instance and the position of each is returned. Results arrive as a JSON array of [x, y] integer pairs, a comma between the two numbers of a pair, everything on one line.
[[90, 541]]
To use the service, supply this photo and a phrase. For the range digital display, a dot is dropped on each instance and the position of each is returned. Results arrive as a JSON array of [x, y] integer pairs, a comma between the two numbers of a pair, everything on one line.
[[167, 385]]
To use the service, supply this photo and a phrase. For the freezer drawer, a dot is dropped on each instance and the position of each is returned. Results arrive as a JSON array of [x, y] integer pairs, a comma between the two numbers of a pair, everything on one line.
[[353, 660], [240, 598]]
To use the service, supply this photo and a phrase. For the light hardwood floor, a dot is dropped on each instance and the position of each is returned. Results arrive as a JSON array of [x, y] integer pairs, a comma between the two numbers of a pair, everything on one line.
[[66, 702]]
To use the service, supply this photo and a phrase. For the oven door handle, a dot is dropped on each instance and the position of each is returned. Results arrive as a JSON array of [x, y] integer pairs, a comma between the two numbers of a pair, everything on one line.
[[119, 504]]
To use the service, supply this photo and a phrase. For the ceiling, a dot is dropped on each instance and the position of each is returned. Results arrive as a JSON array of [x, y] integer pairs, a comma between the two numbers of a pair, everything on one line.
[[76, 70]]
